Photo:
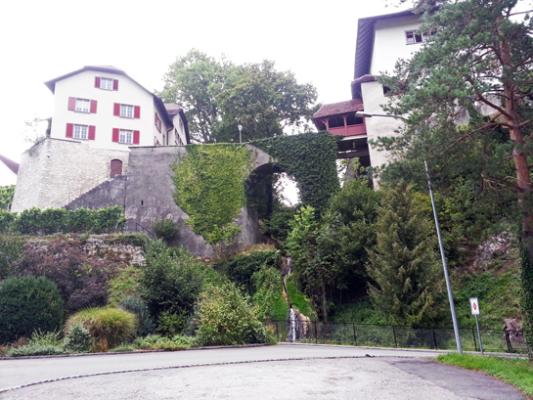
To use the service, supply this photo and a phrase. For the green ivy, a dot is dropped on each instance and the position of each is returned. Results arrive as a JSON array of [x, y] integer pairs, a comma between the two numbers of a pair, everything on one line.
[[210, 188], [310, 159]]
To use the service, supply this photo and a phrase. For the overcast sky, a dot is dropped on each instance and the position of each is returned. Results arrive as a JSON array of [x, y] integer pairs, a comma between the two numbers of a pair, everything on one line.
[[41, 40]]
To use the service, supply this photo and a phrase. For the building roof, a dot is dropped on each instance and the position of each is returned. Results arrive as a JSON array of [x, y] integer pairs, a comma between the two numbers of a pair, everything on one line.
[[12, 165], [339, 108], [174, 109], [109, 69]]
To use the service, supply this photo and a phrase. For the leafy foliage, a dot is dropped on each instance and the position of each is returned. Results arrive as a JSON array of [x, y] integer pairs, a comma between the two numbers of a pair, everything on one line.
[[11, 248], [224, 317], [6, 196], [166, 229], [125, 284], [310, 158], [107, 326], [135, 305], [28, 304], [210, 189], [172, 280], [406, 284], [268, 295], [35, 221], [242, 267], [156, 342], [78, 339], [40, 344], [219, 95]]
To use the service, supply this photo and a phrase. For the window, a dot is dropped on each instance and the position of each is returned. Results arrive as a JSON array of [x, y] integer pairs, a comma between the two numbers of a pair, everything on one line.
[[125, 136], [413, 37], [106, 84], [81, 132], [157, 122], [126, 111], [82, 105]]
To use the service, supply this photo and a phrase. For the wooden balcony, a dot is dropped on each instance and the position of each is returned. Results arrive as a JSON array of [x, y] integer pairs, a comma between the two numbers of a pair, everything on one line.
[[348, 130]]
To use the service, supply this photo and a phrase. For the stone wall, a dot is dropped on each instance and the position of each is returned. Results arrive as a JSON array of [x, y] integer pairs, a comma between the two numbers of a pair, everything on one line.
[[55, 172], [147, 195]]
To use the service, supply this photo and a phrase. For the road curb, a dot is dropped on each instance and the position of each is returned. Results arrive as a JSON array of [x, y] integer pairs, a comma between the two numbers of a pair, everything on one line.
[[114, 353]]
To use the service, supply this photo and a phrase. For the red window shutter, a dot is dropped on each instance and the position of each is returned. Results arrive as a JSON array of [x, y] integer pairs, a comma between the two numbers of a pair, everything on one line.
[[71, 103], [70, 129], [136, 137], [137, 112], [93, 106], [97, 82], [115, 84], [92, 132], [115, 135], [116, 110]]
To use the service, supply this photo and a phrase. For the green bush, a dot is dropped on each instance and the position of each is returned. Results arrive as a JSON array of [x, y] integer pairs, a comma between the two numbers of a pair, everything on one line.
[[10, 252], [224, 317], [145, 323], [107, 326], [28, 304], [170, 324], [156, 342], [171, 280], [78, 340], [268, 296], [126, 283], [35, 221], [166, 229], [40, 344], [6, 197], [241, 268], [7, 221]]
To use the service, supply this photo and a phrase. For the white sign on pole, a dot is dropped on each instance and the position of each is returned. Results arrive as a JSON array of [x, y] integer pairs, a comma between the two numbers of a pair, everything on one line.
[[474, 306]]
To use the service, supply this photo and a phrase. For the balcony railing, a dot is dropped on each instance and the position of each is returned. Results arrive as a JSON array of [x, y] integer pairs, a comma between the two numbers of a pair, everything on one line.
[[349, 130]]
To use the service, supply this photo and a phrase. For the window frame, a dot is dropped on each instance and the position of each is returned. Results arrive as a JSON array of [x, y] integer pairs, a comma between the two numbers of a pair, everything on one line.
[[101, 83], [77, 132], [125, 133], [125, 115], [82, 110]]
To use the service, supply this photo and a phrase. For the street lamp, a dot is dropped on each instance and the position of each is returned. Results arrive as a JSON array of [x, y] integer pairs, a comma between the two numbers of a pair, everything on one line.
[[239, 127], [362, 114]]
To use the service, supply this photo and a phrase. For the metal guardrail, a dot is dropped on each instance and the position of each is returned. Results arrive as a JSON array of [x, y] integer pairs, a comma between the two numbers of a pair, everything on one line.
[[396, 336]]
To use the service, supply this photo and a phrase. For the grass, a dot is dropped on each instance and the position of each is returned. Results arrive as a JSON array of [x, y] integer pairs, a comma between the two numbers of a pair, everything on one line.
[[517, 372], [298, 299]]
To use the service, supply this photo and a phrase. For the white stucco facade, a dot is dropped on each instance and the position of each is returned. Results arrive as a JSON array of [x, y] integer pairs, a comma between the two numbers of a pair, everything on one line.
[[82, 85], [390, 42]]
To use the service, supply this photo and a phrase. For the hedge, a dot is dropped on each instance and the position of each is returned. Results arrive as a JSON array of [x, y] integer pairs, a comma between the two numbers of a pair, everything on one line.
[[35, 221]]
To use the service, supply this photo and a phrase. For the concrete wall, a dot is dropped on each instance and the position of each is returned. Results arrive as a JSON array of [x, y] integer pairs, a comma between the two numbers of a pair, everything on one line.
[[390, 43], [376, 127], [82, 86], [55, 172]]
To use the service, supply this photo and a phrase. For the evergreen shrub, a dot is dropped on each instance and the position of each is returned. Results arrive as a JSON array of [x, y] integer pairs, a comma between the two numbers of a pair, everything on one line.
[[28, 304], [166, 229], [107, 326], [78, 340], [135, 305], [225, 317]]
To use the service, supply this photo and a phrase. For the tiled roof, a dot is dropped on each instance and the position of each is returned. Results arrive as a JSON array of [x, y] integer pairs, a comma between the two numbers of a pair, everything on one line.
[[342, 107]]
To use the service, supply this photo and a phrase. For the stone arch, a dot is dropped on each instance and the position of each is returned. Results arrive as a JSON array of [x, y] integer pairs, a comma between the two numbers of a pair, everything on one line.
[[115, 168]]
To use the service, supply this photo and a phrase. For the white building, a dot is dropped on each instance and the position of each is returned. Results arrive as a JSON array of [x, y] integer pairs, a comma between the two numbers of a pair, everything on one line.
[[381, 41], [108, 109], [101, 114]]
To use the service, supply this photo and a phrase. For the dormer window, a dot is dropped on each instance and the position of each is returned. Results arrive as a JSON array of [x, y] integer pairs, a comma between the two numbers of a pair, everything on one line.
[[101, 82]]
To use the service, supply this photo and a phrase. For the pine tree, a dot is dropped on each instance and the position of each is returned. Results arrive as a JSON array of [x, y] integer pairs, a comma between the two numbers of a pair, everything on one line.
[[406, 281]]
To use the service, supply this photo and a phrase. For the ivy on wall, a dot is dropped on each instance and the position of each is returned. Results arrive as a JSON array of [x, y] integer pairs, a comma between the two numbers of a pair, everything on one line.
[[210, 188], [310, 159]]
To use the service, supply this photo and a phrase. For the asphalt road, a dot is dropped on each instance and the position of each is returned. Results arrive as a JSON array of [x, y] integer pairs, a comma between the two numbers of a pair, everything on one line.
[[273, 372]]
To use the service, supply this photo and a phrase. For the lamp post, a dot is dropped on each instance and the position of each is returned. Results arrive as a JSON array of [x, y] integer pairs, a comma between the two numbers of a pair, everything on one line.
[[439, 238], [239, 127]]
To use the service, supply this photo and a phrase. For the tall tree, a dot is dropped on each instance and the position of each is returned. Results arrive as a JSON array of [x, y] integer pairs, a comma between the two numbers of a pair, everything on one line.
[[220, 95], [480, 61], [406, 281]]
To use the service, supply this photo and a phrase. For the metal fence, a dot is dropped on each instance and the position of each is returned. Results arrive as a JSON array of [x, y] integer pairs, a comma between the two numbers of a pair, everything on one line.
[[396, 336]]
